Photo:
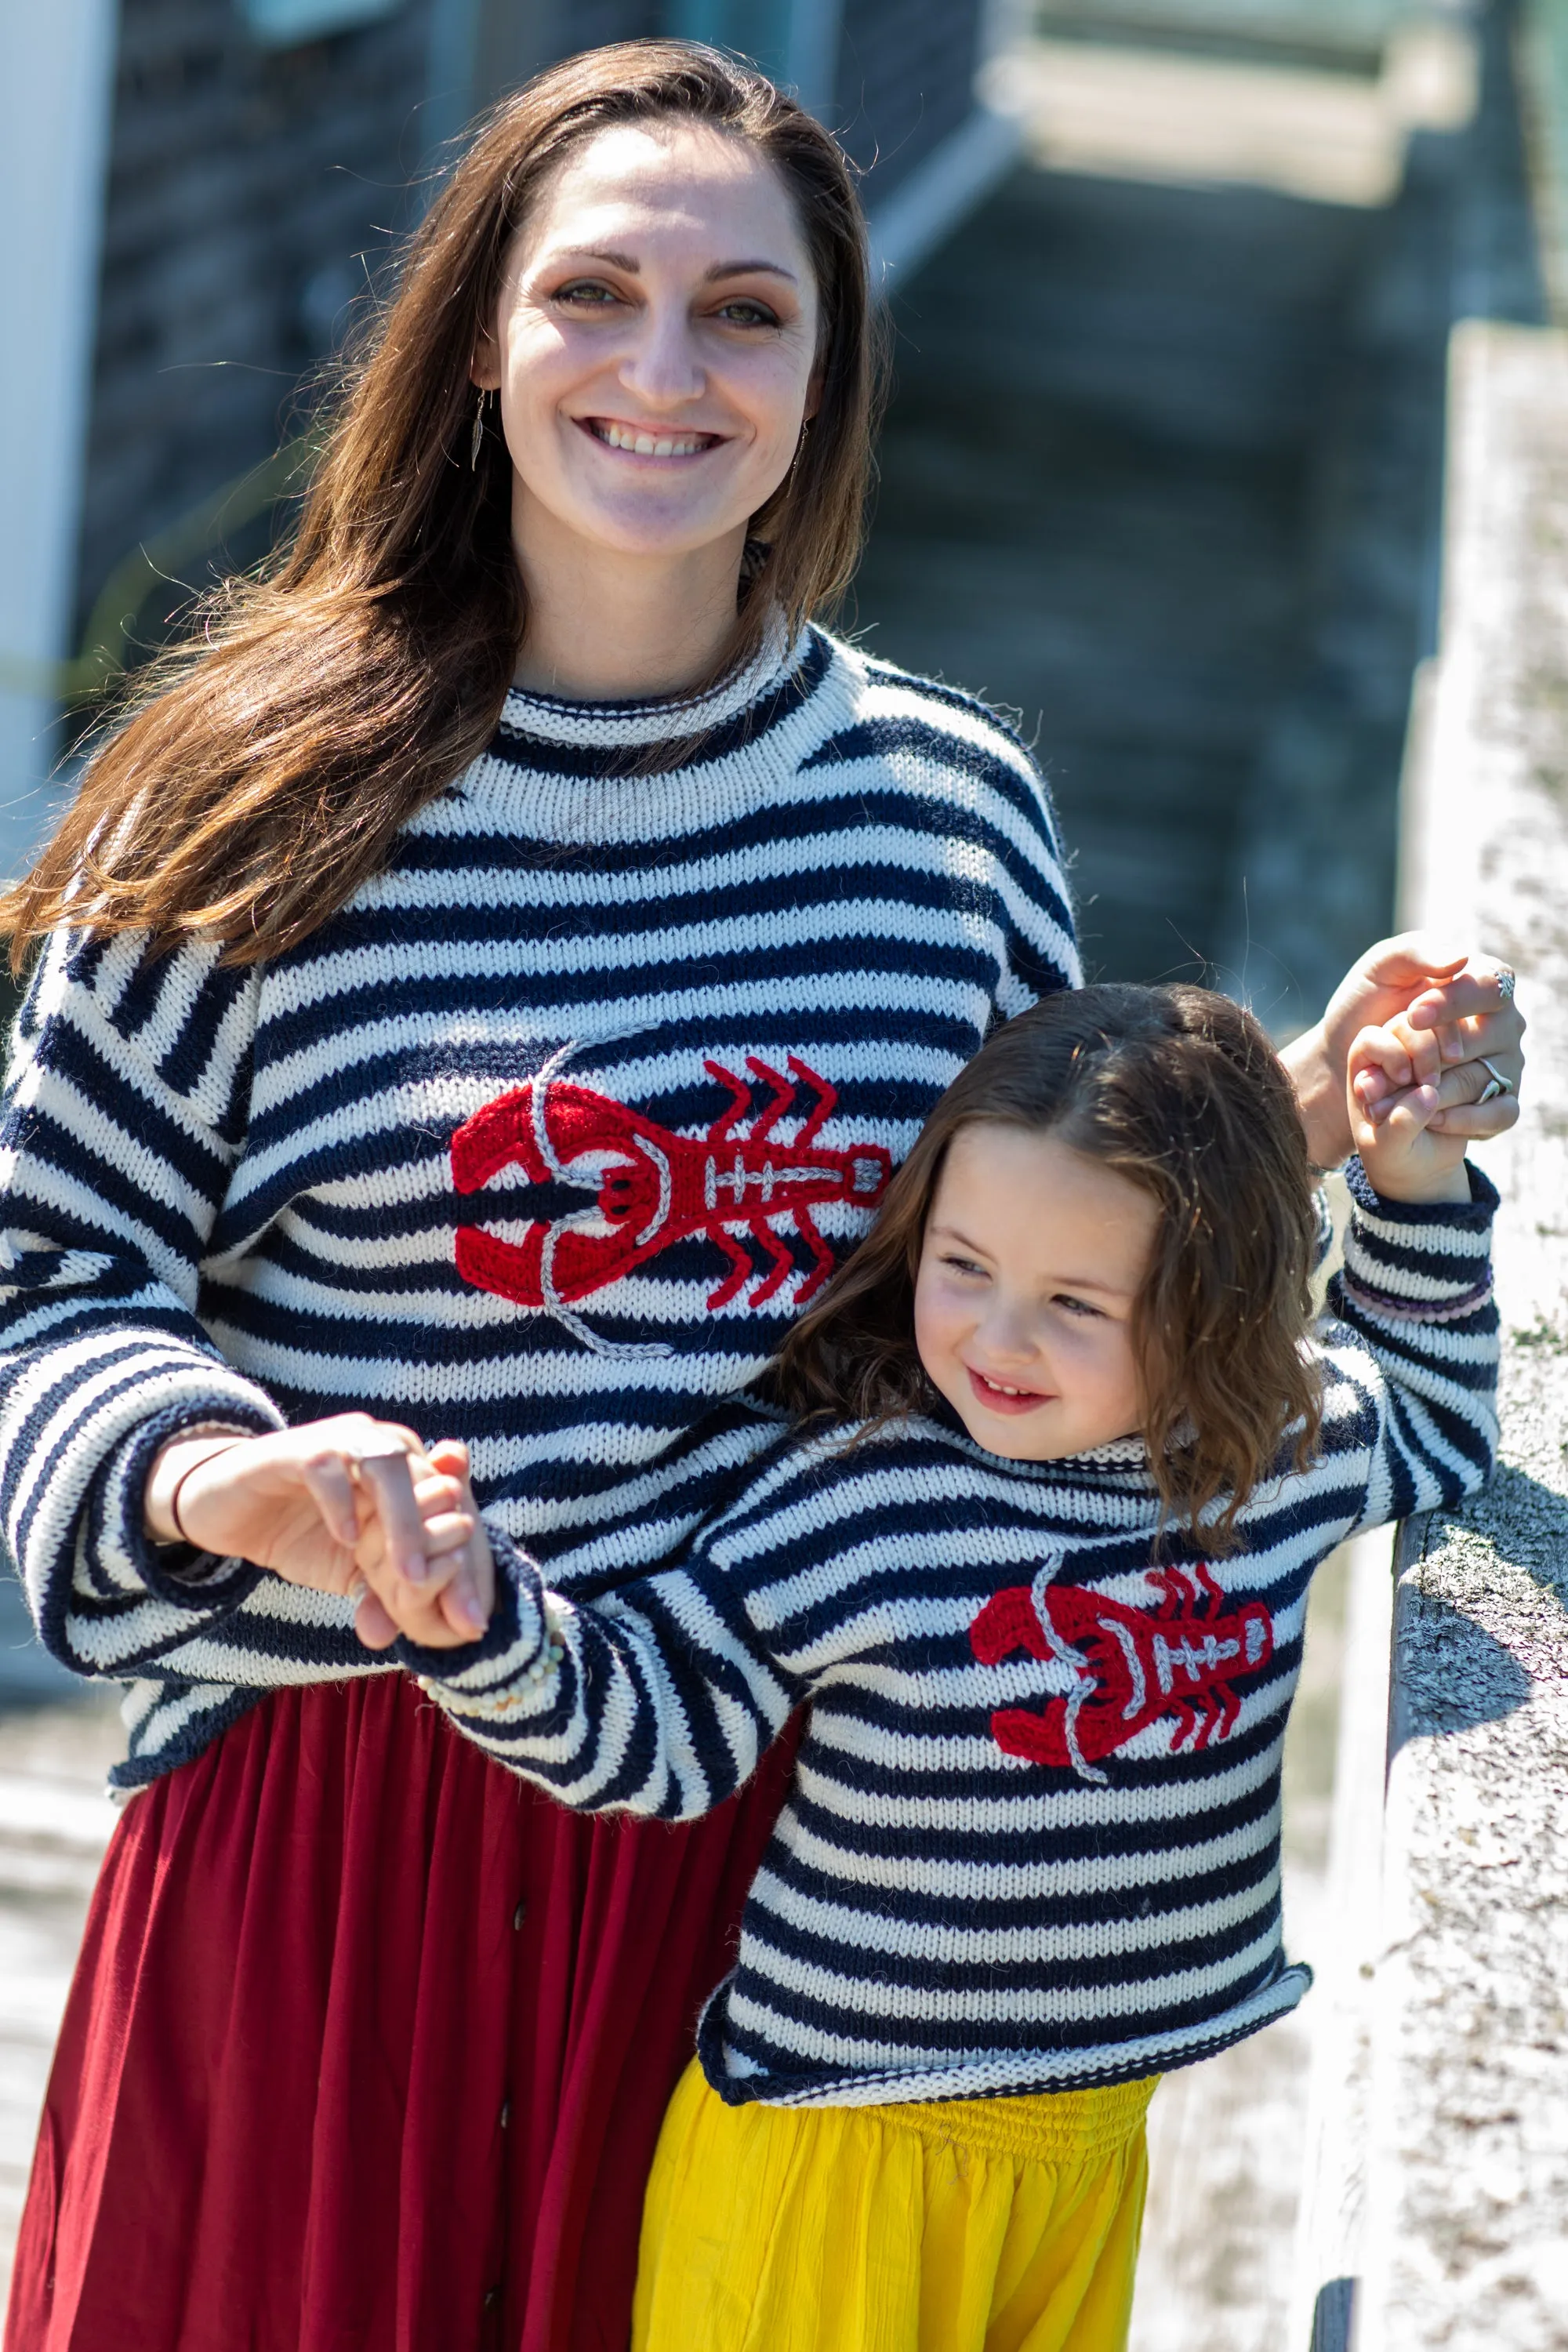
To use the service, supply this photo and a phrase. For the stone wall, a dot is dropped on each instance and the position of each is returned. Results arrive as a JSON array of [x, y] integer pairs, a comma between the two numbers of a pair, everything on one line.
[[1467, 2162], [1444, 2195]]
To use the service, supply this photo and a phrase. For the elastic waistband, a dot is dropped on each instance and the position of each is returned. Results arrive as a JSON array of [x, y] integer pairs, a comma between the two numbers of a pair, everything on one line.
[[1045, 2126]]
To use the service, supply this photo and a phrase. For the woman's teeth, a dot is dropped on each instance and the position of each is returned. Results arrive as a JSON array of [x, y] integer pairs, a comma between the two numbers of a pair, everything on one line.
[[651, 445]]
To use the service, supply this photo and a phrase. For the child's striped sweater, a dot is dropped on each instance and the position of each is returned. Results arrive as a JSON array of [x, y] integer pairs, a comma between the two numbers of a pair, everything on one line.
[[539, 1142], [1034, 1840]]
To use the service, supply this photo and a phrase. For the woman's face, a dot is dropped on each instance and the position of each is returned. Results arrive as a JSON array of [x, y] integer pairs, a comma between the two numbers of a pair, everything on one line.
[[1033, 1259], [656, 344]]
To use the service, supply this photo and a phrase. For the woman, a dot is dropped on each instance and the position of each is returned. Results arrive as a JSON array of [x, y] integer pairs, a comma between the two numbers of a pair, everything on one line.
[[481, 990]]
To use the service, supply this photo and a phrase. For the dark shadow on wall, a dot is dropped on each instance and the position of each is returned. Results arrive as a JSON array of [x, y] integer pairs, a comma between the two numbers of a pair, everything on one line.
[[1451, 1674]]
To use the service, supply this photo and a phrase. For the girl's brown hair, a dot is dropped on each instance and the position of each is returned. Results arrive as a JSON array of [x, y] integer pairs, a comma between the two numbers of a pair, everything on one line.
[[1180, 1091], [268, 763]]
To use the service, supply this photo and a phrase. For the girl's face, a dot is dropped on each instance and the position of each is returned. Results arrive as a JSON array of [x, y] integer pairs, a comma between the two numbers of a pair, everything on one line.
[[656, 344], [1032, 1260]]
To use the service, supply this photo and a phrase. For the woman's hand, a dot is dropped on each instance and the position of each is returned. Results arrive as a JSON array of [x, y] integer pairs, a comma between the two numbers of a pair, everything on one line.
[[1456, 1009], [1396, 1119], [297, 1501], [453, 1603]]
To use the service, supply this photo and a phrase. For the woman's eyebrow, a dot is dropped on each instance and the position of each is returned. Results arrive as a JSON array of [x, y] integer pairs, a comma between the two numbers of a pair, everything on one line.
[[721, 270], [747, 270]]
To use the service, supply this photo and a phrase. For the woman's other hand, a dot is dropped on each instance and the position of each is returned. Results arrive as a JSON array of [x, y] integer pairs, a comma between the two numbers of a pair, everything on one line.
[[452, 1603], [1396, 1119], [296, 1501], [1456, 1009]]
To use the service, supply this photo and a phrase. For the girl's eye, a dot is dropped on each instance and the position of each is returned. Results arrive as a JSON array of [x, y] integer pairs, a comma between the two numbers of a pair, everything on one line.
[[1079, 1306]]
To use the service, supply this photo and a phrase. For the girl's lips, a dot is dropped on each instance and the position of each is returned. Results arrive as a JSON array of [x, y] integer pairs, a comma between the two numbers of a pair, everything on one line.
[[999, 1400]]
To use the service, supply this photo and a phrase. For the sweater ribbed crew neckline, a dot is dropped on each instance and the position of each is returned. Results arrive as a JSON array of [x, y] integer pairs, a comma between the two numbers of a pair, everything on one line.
[[634, 724]]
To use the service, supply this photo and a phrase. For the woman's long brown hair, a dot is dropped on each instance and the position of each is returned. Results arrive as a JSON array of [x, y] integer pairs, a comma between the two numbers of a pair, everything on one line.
[[266, 766], [1180, 1091]]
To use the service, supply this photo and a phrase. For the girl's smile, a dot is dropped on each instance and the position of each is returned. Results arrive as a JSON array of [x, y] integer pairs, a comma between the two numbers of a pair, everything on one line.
[[1033, 1258], [998, 1397]]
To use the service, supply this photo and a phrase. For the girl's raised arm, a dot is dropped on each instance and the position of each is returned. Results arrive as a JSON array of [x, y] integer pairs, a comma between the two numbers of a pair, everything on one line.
[[1410, 1344]]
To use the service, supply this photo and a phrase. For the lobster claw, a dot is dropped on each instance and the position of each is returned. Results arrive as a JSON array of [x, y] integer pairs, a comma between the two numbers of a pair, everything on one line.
[[514, 1131], [547, 1139], [552, 1264], [1008, 1622]]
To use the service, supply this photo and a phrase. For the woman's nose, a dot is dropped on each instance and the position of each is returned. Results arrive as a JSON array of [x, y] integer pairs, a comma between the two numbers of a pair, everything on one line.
[[662, 366]]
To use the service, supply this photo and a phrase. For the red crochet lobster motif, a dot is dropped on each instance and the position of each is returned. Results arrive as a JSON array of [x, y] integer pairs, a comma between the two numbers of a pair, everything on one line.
[[1129, 1665], [653, 1188]]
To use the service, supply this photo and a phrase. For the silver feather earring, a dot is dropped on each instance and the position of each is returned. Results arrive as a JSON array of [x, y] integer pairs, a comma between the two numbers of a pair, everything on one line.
[[477, 438]]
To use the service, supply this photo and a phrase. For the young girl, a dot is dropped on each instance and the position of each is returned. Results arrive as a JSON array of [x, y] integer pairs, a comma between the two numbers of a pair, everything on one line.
[[1035, 1566]]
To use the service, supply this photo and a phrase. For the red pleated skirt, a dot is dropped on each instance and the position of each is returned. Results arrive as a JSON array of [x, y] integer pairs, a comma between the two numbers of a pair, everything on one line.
[[368, 2047]]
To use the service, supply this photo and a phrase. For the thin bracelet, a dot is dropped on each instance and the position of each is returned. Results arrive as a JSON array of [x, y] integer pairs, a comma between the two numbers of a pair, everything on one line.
[[224, 1446]]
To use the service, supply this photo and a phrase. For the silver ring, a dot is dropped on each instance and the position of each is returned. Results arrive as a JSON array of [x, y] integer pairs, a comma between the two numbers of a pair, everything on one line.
[[1505, 979], [1496, 1083]]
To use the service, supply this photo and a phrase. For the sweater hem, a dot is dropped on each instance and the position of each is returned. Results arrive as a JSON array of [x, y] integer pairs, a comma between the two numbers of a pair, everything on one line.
[[1006, 2075]]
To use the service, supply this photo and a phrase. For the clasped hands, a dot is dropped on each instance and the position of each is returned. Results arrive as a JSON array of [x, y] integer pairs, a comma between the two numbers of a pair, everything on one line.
[[351, 1506]]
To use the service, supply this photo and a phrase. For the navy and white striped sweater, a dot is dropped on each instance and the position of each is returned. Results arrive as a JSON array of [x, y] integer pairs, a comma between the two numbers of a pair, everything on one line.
[[1033, 1837], [538, 1142]]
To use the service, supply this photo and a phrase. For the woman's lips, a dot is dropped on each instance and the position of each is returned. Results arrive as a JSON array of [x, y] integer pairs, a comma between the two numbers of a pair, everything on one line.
[[647, 440], [1003, 1399]]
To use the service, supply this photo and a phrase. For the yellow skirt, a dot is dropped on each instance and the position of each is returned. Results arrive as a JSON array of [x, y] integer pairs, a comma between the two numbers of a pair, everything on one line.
[[967, 2225]]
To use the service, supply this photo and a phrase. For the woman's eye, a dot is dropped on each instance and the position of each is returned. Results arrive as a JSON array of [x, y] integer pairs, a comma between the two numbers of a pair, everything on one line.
[[1079, 1306], [588, 291], [746, 313]]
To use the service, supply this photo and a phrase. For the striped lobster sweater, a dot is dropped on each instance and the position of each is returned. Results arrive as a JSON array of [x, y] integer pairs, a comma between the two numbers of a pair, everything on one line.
[[539, 1142], [1033, 1837]]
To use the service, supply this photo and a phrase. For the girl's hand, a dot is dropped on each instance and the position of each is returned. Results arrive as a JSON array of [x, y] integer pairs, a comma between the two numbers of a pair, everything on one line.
[[1409, 1151], [295, 1501], [452, 1604], [1456, 1011]]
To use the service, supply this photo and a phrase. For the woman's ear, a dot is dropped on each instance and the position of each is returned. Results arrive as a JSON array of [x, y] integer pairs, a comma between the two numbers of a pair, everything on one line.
[[484, 367], [813, 396]]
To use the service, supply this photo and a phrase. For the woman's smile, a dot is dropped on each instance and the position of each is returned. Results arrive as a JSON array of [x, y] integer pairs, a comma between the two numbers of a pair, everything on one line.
[[649, 440]]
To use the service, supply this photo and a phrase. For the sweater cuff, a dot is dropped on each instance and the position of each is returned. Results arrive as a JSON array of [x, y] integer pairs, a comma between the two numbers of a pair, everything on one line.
[[1426, 1261], [510, 1671], [197, 1581], [1472, 1216]]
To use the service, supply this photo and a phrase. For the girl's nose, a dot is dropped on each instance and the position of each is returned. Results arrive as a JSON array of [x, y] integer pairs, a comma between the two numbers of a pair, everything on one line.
[[1007, 1334]]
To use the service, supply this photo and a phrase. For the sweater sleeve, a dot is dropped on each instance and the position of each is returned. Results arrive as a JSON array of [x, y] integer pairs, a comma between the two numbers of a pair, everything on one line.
[[123, 1113], [660, 1698], [1409, 1346]]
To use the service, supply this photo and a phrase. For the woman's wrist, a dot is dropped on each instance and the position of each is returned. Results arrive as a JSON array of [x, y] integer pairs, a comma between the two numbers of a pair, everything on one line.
[[1319, 1096], [171, 1465]]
